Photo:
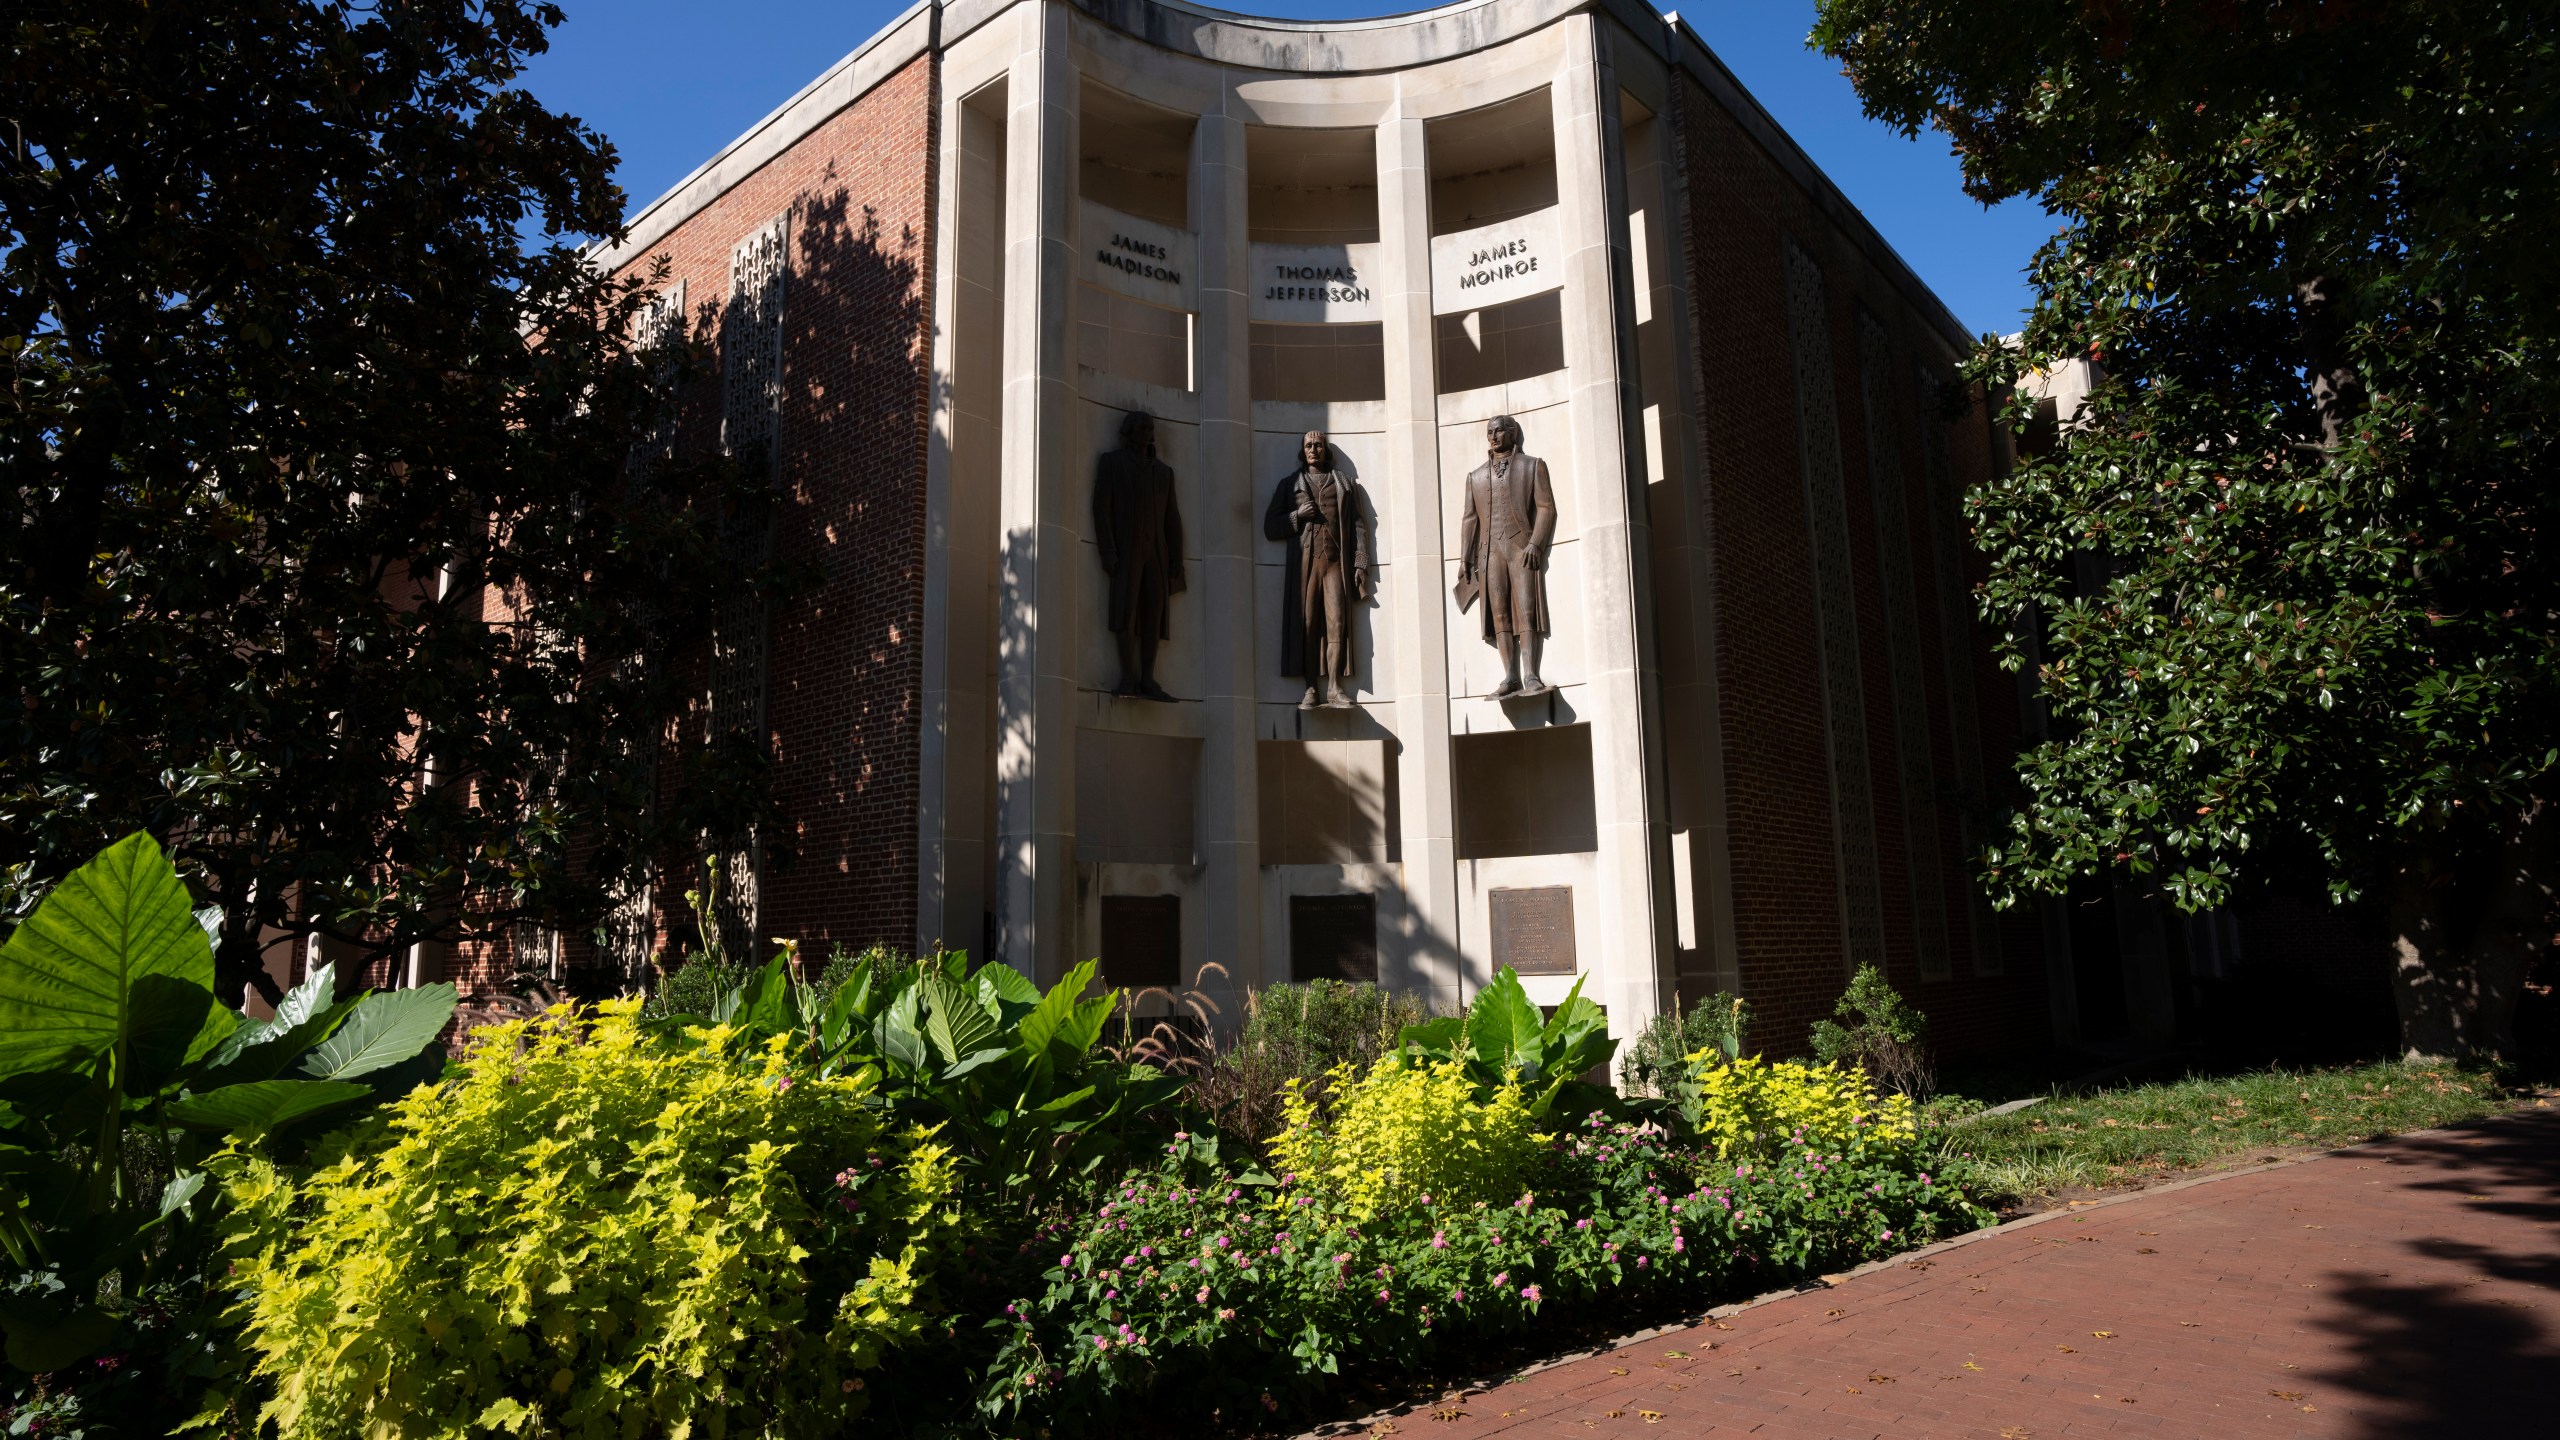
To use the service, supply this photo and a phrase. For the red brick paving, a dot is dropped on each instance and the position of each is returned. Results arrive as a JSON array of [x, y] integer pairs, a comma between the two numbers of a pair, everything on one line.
[[2410, 1287]]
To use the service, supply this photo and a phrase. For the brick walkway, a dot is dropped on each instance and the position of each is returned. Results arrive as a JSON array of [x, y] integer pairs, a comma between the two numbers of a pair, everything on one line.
[[2407, 1288]]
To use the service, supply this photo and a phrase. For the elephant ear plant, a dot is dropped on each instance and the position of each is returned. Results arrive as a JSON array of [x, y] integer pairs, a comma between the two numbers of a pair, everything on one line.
[[120, 1074], [1503, 1038], [1013, 1076]]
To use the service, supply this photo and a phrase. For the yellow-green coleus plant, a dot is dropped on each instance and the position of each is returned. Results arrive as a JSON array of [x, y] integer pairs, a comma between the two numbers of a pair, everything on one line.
[[593, 1234]]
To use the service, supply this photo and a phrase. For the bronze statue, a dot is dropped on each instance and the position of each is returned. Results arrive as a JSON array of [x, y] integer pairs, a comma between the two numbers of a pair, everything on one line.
[[1502, 547], [1138, 528], [1320, 513]]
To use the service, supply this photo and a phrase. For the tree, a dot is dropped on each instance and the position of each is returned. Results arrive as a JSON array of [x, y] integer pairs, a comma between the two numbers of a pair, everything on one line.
[[2309, 247], [326, 553]]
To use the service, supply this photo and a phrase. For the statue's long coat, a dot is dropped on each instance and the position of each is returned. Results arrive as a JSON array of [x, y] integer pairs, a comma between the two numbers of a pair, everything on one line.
[[1351, 542], [1532, 499], [1138, 528]]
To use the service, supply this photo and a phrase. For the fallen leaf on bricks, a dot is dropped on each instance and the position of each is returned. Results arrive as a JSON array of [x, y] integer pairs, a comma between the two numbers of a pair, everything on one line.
[[2016, 1432], [1675, 1386], [1969, 1365], [2065, 1349], [1832, 1314], [1852, 1389], [1918, 1264], [2124, 1399], [1650, 1417], [1613, 1414], [2191, 1324], [1617, 1370], [2152, 1233], [1447, 1412], [2104, 1334], [2286, 1394], [2146, 1250]]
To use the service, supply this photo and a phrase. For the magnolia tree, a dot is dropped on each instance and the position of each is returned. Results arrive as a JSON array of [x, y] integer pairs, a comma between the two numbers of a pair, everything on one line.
[[2311, 503], [329, 551]]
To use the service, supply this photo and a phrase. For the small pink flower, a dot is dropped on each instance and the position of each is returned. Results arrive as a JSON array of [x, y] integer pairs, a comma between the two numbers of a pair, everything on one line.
[[1502, 1279], [1382, 1297], [1101, 1342], [1529, 1293], [1457, 1296], [1642, 1261], [1110, 1294], [1439, 1239], [1226, 1314], [1202, 1298], [1066, 1262]]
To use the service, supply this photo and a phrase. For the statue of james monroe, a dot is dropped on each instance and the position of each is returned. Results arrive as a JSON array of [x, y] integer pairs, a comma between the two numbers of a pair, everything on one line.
[[1138, 528], [1502, 546], [1320, 513]]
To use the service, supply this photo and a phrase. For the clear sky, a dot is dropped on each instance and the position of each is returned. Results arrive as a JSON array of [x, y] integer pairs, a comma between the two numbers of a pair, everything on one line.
[[671, 81]]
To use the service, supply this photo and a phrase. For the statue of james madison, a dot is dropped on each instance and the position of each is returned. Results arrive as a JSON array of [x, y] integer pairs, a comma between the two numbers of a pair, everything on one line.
[[1138, 528], [1502, 545]]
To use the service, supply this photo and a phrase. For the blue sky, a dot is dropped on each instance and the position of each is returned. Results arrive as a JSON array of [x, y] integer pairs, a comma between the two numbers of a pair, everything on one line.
[[671, 81]]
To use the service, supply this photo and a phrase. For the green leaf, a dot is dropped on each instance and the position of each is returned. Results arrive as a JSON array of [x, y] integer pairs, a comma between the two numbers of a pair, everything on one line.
[[765, 1004], [384, 1030], [1504, 1026], [957, 1024], [167, 1017], [253, 1109], [180, 1191], [998, 982], [1084, 1027], [67, 974], [1054, 1011], [1439, 1036], [897, 1035]]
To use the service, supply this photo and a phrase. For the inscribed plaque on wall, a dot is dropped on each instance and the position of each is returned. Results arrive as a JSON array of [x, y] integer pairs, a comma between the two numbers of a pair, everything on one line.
[[1497, 263], [1314, 284], [1533, 930], [1333, 937], [1142, 940], [1139, 258]]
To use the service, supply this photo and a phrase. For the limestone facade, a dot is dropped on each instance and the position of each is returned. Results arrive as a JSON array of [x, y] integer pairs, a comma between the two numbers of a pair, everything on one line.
[[1008, 223]]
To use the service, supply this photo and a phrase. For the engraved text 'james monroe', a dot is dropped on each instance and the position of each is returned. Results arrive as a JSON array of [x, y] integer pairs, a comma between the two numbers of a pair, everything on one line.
[[1134, 257], [1498, 262]]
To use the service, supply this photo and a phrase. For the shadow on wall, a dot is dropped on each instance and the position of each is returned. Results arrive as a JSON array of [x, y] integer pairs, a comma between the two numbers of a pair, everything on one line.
[[2440, 1359]]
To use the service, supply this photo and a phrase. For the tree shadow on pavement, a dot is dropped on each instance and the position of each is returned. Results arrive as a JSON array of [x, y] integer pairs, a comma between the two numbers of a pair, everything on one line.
[[2440, 1356]]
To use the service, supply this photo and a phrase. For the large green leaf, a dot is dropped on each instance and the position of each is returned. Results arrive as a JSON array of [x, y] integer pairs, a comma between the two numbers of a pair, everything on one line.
[[384, 1030], [957, 1024], [897, 1035], [43, 1337], [1054, 1011], [259, 1106], [67, 974], [764, 1003], [1439, 1036], [1504, 1026], [168, 1016]]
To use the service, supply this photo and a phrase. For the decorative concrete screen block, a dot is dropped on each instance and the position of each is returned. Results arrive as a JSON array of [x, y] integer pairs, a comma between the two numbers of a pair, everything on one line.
[[1140, 258], [1835, 611], [1134, 797], [1498, 263], [1325, 802], [1314, 284], [1956, 644], [1333, 937], [751, 341], [1524, 792], [1533, 930], [1141, 941], [1886, 481]]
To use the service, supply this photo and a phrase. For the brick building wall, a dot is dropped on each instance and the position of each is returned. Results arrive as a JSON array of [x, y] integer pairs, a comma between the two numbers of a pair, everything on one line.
[[845, 655], [1741, 206]]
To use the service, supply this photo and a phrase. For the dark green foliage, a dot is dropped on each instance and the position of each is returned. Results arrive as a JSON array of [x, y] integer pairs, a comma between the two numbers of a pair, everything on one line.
[[1657, 1062], [2288, 587], [119, 1076], [1886, 1035], [317, 478], [1298, 1032]]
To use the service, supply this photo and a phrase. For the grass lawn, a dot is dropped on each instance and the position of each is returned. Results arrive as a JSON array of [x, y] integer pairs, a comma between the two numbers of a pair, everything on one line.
[[2111, 1137]]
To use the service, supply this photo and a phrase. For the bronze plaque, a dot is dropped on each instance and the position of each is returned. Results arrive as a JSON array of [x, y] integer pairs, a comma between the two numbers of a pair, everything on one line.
[[1533, 930], [1333, 937], [1142, 941]]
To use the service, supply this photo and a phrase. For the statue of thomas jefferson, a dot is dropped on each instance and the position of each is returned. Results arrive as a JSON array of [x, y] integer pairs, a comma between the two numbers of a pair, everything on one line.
[[1320, 513], [1138, 528], [1502, 543]]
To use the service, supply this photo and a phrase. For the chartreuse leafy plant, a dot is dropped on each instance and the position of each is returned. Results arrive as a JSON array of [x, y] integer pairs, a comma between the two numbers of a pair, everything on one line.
[[1503, 1040], [1407, 1132], [2287, 583], [119, 1072], [1755, 1109], [595, 1232]]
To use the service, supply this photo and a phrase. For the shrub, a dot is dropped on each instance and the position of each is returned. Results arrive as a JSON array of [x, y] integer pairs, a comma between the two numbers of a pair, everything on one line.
[[1885, 1036], [1407, 1130], [591, 1233], [1753, 1109], [1503, 1040], [1193, 1289], [1301, 1033], [1657, 1062]]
